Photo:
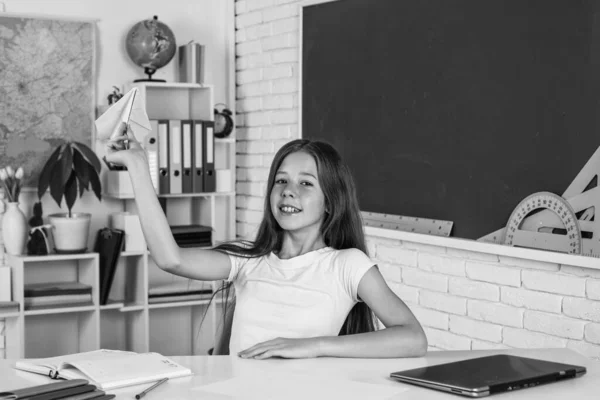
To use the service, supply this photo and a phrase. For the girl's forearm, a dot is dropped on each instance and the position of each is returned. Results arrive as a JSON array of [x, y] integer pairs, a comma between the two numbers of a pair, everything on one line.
[[392, 342], [155, 226]]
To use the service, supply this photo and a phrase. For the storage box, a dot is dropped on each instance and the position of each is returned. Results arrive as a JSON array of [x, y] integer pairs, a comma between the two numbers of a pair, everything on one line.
[[130, 224], [5, 284], [118, 183], [224, 180]]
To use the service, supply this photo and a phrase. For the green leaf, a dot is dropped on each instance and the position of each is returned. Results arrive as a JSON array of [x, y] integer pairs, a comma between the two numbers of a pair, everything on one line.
[[46, 174], [81, 169], [71, 191], [95, 181], [66, 163], [89, 155], [56, 184]]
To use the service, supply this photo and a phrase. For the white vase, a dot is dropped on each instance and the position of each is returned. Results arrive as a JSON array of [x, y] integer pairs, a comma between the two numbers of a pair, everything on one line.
[[14, 229]]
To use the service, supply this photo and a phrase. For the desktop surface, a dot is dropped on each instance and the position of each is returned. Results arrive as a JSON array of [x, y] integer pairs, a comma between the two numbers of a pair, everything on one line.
[[229, 377]]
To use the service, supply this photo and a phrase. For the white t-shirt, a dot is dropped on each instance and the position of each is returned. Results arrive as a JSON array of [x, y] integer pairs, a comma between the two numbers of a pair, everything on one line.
[[306, 296]]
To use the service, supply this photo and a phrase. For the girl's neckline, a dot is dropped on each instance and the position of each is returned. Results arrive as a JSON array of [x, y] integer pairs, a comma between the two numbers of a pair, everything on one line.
[[298, 261]]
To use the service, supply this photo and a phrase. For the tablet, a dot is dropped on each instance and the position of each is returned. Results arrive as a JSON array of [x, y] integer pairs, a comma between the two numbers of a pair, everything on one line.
[[483, 376]]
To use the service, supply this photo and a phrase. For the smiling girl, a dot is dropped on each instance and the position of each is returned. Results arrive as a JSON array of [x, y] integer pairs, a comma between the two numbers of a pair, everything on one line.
[[304, 286]]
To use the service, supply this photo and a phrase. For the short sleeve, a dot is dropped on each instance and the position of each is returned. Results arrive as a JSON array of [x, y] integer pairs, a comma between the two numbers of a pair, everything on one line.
[[236, 263], [353, 266]]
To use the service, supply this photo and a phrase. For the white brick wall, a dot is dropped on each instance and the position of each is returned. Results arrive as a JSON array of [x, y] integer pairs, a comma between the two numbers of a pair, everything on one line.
[[464, 299]]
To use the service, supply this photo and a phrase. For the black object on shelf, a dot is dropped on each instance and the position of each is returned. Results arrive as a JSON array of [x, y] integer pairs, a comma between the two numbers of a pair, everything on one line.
[[192, 235], [109, 243]]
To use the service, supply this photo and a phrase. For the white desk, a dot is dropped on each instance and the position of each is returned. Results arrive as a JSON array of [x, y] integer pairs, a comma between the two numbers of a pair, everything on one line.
[[212, 369]]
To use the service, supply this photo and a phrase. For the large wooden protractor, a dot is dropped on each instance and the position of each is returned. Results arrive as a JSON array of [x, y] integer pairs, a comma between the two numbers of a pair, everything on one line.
[[566, 240]]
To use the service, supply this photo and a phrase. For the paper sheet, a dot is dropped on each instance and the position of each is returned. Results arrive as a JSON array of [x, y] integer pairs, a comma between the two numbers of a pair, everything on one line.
[[298, 387]]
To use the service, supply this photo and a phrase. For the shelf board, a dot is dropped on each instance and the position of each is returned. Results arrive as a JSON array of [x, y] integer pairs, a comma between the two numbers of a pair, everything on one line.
[[179, 85], [59, 310], [133, 253], [225, 140], [189, 303], [57, 257], [132, 307], [129, 196], [9, 315], [113, 305]]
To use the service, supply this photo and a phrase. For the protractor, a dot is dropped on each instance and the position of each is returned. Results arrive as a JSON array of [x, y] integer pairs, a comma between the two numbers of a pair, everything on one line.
[[568, 241]]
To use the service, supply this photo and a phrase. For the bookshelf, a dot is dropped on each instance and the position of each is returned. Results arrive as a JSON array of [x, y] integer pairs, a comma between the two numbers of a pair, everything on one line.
[[173, 328], [128, 321], [48, 331]]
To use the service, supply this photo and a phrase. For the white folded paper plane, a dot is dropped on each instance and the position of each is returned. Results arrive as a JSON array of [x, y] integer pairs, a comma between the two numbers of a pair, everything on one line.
[[128, 110]]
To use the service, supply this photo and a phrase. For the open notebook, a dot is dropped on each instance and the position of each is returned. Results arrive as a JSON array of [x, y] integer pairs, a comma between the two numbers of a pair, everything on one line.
[[107, 369]]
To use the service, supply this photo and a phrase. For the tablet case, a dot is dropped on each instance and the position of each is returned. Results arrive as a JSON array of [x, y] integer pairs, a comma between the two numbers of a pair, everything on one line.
[[109, 243]]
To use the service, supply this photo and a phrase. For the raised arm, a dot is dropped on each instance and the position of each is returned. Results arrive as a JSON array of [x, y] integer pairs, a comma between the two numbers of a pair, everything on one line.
[[192, 263]]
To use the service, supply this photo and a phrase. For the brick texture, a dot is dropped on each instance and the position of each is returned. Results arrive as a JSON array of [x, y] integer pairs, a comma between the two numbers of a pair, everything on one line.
[[464, 299]]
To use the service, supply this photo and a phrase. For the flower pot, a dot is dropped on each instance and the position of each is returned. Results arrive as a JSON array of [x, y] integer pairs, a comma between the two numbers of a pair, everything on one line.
[[70, 234], [14, 229]]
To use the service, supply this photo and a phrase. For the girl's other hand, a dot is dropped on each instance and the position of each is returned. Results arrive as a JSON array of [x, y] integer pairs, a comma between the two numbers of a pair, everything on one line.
[[285, 348], [124, 150]]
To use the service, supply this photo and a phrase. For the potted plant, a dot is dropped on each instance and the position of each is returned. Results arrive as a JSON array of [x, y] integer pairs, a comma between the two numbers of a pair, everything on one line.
[[71, 169]]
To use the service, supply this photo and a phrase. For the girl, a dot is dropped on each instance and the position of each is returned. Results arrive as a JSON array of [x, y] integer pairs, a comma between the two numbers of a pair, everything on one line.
[[304, 287]]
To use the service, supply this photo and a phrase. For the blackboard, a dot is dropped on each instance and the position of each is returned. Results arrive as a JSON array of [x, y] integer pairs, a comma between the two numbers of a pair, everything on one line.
[[453, 109]]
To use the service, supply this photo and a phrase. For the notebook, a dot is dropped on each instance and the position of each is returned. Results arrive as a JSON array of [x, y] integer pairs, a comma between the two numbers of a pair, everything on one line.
[[107, 369], [483, 376]]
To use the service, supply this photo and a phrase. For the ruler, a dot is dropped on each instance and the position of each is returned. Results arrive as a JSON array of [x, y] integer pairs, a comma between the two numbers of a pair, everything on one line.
[[406, 223]]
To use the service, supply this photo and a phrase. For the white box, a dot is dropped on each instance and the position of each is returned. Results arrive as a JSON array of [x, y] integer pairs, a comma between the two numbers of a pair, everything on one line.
[[224, 183], [130, 224], [5, 284], [118, 183]]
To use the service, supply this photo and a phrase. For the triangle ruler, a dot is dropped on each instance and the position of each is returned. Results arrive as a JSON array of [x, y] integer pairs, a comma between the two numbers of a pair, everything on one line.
[[566, 223]]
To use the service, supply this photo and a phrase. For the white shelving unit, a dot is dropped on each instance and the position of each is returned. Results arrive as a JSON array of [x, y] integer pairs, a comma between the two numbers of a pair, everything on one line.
[[186, 327], [128, 321], [52, 330]]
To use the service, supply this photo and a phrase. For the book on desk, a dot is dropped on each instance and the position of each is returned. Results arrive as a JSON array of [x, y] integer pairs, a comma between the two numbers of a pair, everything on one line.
[[107, 369]]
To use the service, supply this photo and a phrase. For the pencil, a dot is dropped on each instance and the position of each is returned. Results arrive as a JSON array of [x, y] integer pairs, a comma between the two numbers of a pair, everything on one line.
[[140, 395]]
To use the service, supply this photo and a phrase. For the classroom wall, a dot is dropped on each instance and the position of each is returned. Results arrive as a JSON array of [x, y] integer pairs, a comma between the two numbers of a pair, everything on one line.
[[464, 299], [204, 21]]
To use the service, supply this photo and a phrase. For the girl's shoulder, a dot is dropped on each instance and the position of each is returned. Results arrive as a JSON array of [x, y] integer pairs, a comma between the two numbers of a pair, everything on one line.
[[349, 255]]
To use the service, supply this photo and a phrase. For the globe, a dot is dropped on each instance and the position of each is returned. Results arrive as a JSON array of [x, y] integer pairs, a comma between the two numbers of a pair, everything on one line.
[[151, 45]]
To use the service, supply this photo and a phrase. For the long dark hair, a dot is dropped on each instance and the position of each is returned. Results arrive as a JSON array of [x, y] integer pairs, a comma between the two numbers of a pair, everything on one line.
[[341, 228]]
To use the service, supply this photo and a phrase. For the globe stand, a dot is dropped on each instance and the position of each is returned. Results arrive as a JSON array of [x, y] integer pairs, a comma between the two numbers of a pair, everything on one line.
[[149, 72]]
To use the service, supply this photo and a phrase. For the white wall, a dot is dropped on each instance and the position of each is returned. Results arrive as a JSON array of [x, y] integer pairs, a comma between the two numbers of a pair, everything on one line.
[[464, 299], [205, 21]]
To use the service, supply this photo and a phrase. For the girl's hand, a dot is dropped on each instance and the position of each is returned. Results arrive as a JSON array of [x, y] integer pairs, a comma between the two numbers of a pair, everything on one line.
[[285, 348], [124, 150]]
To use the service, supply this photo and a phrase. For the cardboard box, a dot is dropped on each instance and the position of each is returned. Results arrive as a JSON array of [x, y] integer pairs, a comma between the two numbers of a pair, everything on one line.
[[224, 180], [118, 183], [5, 284], [130, 224]]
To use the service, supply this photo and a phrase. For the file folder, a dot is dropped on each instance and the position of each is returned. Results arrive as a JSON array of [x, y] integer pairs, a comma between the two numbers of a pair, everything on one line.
[[197, 158], [150, 144], [175, 165], [186, 156], [163, 157], [210, 178]]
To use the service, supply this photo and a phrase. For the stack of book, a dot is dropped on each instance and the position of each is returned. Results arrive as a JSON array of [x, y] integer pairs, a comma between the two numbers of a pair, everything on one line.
[[57, 294], [179, 291], [71, 389], [8, 307]]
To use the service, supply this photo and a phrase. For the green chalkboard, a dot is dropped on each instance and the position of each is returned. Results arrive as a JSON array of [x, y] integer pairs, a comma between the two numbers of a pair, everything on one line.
[[453, 109]]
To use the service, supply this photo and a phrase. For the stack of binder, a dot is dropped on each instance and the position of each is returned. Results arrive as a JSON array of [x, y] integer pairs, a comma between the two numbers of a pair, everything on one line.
[[56, 294], [181, 156], [192, 235]]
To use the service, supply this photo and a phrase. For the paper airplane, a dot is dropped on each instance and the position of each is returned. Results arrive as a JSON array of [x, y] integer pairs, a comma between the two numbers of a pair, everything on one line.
[[128, 110]]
